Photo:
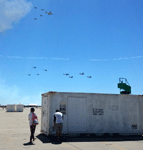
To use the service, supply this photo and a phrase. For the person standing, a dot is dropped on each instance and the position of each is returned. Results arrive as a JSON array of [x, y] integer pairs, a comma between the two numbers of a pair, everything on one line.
[[58, 123], [31, 118]]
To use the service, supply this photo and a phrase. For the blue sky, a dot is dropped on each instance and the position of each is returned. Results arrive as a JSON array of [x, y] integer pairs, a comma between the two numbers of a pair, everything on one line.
[[103, 39]]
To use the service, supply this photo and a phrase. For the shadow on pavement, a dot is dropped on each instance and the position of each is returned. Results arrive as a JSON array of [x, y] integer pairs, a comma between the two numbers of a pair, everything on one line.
[[48, 139], [88, 138], [26, 144]]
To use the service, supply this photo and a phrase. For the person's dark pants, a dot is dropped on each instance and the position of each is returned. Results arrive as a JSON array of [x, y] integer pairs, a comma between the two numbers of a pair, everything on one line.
[[32, 129]]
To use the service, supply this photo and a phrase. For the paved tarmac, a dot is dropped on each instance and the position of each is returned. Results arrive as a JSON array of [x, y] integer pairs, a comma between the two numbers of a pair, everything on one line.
[[15, 134]]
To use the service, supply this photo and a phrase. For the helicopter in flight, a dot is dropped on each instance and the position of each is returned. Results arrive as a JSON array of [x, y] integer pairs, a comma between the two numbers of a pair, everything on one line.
[[81, 73], [88, 76], [70, 76], [50, 13], [66, 74]]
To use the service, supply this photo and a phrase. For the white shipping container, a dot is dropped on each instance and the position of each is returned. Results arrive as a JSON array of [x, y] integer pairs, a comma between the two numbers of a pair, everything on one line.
[[19, 108], [93, 113], [11, 108]]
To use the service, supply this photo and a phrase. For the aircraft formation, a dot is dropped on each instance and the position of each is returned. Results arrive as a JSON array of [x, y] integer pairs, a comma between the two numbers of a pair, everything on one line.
[[37, 73], [66, 74], [79, 74], [49, 13]]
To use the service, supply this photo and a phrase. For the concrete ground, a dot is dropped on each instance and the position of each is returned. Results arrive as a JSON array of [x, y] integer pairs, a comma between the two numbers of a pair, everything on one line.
[[15, 134]]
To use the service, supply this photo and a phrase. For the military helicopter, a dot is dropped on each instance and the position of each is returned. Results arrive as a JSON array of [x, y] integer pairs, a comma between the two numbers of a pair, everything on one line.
[[50, 13], [35, 18], [88, 76], [28, 74], [70, 76], [81, 73], [66, 74], [33, 67]]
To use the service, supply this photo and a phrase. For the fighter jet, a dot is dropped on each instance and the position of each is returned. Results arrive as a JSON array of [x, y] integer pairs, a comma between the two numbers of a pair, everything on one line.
[[50, 13], [70, 76], [33, 67], [35, 7], [88, 76], [66, 74], [29, 74], [35, 18], [81, 73], [42, 9]]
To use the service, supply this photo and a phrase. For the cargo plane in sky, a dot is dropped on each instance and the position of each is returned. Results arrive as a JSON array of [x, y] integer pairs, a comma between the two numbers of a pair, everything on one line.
[[81, 73], [88, 76], [50, 13]]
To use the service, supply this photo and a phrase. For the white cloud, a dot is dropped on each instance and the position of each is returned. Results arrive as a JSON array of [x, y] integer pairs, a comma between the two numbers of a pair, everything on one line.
[[11, 11], [99, 59], [115, 58], [60, 58], [10, 94], [19, 57]]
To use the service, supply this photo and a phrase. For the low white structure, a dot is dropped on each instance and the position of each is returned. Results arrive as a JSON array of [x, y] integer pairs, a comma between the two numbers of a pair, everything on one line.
[[33, 105], [93, 113], [19, 108], [11, 108], [14, 108]]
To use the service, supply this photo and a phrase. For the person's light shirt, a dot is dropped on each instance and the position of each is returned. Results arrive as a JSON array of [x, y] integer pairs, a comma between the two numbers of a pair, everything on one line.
[[58, 116], [30, 118]]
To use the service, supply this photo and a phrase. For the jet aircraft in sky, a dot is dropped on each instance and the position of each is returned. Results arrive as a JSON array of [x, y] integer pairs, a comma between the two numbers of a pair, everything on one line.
[[70, 76], [35, 18], [37, 74], [41, 15], [88, 76], [35, 7], [66, 74], [34, 67], [45, 70], [42, 9], [29, 74], [50, 13], [81, 73]]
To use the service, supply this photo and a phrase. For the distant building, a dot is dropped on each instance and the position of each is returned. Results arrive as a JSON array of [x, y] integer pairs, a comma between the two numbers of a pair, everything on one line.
[[33, 105]]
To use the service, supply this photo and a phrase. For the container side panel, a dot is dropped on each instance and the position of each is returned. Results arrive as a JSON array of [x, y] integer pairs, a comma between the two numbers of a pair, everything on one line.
[[76, 115], [44, 119], [10, 108], [129, 110]]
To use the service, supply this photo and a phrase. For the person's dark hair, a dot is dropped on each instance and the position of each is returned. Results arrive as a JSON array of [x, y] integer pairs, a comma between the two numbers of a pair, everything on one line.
[[57, 110], [32, 109]]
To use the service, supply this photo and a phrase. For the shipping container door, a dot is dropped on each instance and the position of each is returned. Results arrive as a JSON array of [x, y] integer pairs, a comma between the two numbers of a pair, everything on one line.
[[45, 115], [76, 115]]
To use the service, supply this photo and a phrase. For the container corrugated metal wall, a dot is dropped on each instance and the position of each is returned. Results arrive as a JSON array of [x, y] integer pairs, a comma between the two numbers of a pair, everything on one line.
[[11, 108], [94, 113], [19, 108]]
